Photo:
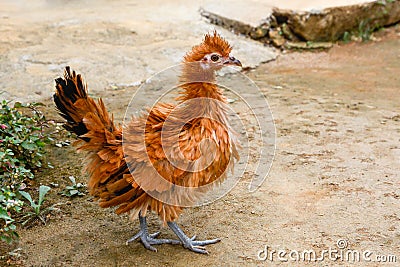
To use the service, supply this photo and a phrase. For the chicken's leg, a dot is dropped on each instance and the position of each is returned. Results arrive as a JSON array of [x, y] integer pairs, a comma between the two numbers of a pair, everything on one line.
[[150, 239], [191, 243]]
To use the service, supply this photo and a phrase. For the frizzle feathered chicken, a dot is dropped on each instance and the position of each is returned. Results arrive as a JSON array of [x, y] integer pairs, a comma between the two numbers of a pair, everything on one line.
[[155, 161]]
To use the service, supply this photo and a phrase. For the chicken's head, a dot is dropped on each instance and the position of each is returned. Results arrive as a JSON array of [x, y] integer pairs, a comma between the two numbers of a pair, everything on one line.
[[213, 53]]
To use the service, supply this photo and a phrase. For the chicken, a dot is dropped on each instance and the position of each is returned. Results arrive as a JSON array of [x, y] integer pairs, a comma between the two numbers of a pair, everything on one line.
[[162, 161]]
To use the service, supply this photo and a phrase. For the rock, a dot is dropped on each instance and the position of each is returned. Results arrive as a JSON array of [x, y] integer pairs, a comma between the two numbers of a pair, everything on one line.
[[331, 23], [277, 39], [287, 33], [259, 33]]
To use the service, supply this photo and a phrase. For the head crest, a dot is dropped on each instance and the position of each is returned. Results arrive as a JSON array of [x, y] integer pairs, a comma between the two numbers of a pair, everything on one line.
[[212, 43]]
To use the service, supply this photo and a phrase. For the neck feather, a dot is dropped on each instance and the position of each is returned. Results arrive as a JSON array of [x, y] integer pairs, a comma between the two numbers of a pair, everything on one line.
[[200, 96], [199, 81]]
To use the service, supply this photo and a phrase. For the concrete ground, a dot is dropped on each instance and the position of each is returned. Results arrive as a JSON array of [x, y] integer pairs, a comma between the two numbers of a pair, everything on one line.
[[114, 43]]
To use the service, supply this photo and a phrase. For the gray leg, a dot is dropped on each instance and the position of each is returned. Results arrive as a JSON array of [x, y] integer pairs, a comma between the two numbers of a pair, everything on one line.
[[150, 239], [191, 243]]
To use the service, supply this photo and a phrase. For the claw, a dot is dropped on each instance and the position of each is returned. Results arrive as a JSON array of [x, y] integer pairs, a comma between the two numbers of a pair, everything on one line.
[[199, 250], [146, 243]]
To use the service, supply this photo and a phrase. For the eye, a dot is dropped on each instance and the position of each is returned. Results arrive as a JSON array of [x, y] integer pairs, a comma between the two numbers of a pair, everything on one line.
[[215, 58]]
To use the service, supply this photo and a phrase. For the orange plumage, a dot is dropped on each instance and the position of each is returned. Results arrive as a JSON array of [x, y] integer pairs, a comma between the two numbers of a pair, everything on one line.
[[125, 165]]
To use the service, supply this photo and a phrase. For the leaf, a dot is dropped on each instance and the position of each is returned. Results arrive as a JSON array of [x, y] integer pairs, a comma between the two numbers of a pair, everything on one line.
[[28, 146], [17, 105], [43, 189], [72, 179], [40, 144], [37, 104], [4, 216], [74, 192], [5, 238], [28, 197]]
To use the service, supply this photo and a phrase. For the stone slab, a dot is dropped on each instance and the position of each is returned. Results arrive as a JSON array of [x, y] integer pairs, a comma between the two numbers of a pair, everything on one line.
[[308, 20]]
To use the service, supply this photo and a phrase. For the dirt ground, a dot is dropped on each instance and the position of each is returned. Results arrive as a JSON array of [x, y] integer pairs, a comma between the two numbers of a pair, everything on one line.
[[335, 175]]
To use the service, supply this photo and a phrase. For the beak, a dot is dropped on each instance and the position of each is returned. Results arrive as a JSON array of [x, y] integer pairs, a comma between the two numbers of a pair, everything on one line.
[[232, 61]]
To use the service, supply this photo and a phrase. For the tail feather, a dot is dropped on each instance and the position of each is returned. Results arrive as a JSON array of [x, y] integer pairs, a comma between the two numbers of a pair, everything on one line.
[[90, 121], [69, 92]]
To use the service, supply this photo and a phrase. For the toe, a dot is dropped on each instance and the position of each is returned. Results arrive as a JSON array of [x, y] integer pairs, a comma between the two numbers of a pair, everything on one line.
[[147, 245], [133, 238], [198, 249], [153, 241], [206, 242], [154, 235]]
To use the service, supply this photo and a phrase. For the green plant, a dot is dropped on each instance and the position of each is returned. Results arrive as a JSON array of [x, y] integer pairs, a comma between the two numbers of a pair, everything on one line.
[[22, 140], [384, 2], [22, 149], [36, 211], [8, 204], [364, 30], [346, 37], [75, 189]]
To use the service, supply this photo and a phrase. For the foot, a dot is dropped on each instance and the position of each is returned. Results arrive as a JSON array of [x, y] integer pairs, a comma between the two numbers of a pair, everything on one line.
[[191, 243], [150, 239]]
